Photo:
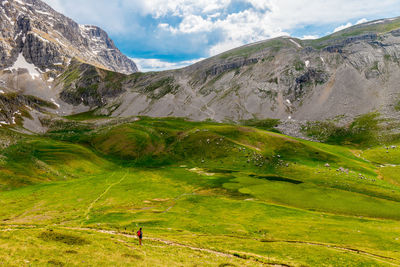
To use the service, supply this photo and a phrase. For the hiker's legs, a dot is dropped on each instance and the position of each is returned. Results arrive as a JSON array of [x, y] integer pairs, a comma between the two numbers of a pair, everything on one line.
[[140, 241]]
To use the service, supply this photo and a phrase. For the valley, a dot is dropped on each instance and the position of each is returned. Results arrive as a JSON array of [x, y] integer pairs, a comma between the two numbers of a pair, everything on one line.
[[203, 192], [282, 152]]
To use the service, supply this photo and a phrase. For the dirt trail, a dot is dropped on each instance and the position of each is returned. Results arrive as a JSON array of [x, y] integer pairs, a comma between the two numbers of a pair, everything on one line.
[[248, 256], [172, 243], [101, 195], [374, 256], [175, 201]]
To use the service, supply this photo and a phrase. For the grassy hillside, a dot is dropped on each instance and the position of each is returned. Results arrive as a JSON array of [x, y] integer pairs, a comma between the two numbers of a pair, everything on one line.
[[209, 194]]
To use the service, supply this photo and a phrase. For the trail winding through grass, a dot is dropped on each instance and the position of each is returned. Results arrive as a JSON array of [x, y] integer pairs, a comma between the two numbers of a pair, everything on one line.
[[101, 195], [248, 256]]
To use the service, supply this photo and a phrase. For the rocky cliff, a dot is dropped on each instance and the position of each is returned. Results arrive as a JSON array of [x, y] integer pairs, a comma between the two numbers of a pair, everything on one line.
[[49, 40], [345, 74], [337, 77]]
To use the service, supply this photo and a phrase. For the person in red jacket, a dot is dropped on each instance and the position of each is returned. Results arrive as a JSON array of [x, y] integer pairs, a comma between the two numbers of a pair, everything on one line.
[[140, 235]]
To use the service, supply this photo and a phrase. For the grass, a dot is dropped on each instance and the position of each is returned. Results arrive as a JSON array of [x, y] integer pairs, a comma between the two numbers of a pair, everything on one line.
[[89, 115], [364, 131], [246, 51], [256, 196], [378, 28], [265, 124]]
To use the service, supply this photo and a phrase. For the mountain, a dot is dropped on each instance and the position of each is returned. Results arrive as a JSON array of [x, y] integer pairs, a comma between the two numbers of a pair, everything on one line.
[[32, 31], [345, 74], [338, 77], [77, 179]]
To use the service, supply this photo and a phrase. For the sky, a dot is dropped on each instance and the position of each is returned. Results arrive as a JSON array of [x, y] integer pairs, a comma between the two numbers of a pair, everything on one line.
[[169, 34]]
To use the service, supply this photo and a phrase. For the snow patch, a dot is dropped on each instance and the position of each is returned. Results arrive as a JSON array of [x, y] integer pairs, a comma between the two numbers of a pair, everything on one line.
[[288, 101], [51, 79], [38, 36], [322, 59], [9, 19], [19, 2], [296, 43], [44, 13], [2, 92], [376, 22], [21, 63], [54, 102], [307, 62]]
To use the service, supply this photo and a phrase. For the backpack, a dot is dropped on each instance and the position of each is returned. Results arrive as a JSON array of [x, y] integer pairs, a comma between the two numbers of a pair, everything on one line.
[[139, 233]]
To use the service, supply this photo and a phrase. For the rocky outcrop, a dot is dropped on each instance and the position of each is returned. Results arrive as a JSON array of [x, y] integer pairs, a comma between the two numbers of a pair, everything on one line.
[[346, 74], [90, 86], [14, 106], [50, 40]]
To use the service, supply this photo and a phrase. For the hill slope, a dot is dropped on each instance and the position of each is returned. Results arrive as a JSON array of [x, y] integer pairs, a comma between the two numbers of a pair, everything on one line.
[[348, 73], [211, 194]]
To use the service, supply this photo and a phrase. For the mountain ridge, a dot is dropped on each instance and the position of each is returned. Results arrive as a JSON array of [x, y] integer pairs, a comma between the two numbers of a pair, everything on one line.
[[49, 39], [337, 77]]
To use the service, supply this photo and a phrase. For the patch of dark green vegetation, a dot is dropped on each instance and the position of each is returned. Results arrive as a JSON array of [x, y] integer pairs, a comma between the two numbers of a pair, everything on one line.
[[378, 28], [397, 106], [273, 178], [299, 65], [90, 85], [88, 115], [264, 124], [62, 238], [29, 100], [161, 87], [56, 263], [246, 51], [133, 256], [208, 87], [365, 130], [221, 171], [375, 66], [245, 257], [273, 80]]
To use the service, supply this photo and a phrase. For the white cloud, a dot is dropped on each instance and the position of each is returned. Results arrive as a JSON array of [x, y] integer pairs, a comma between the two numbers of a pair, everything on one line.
[[361, 21], [342, 27], [349, 24], [309, 37], [208, 27], [153, 64]]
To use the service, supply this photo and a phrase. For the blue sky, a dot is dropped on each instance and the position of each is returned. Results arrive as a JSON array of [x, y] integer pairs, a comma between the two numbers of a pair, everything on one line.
[[167, 34]]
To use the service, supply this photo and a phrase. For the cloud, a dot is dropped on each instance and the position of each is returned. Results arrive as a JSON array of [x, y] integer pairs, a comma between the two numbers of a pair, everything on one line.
[[342, 27], [309, 37], [185, 29], [153, 64], [361, 21], [349, 24]]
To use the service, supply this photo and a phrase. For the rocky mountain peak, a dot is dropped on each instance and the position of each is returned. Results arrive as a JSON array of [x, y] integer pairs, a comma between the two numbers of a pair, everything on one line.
[[49, 40]]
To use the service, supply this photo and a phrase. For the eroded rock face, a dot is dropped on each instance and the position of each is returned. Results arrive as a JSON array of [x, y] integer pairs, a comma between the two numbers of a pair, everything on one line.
[[50, 40], [90, 86], [349, 73], [14, 106]]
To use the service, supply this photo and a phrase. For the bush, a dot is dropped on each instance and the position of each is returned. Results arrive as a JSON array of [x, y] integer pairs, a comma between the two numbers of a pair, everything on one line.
[[363, 131], [265, 124]]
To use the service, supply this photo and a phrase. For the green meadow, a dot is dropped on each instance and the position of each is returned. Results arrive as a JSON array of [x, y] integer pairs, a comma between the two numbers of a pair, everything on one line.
[[206, 194]]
